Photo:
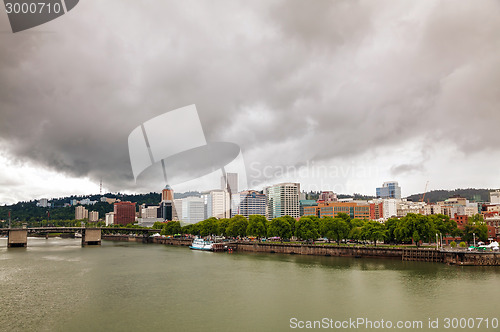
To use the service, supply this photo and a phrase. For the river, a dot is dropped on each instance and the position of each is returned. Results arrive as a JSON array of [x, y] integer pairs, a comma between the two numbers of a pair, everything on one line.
[[56, 285]]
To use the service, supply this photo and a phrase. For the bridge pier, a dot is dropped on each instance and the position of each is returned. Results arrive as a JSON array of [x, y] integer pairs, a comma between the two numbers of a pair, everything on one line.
[[91, 236], [17, 238]]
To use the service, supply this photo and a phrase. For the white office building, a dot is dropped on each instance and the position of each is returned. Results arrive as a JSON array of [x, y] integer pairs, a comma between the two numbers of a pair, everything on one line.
[[218, 204], [193, 210], [283, 200], [495, 197], [390, 208], [43, 202], [110, 218]]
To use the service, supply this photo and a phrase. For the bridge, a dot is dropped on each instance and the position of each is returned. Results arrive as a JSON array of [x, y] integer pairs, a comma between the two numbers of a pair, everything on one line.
[[18, 237]]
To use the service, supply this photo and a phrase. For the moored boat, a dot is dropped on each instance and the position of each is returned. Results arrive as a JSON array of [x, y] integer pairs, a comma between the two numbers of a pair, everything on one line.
[[200, 244]]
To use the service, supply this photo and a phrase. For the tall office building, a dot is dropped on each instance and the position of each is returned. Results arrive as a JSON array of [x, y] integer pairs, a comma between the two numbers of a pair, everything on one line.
[[167, 209], [248, 202], [283, 200], [229, 182], [389, 190], [124, 213], [218, 204], [167, 194], [81, 213], [93, 216], [193, 210]]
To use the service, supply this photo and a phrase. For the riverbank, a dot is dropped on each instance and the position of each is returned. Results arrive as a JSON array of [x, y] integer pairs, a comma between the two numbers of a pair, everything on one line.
[[406, 254]]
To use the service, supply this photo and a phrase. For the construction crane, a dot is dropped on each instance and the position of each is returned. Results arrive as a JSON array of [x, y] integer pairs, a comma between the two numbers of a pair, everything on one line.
[[425, 192]]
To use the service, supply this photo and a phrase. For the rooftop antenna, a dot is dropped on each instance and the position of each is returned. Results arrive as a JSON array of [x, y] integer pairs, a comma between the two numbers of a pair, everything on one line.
[[100, 188]]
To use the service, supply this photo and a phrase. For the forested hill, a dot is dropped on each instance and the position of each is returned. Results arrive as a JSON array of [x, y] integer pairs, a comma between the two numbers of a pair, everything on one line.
[[472, 194], [29, 211]]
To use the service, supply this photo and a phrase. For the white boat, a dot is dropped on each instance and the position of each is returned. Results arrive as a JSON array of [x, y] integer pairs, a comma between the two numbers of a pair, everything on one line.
[[200, 244], [78, 235]]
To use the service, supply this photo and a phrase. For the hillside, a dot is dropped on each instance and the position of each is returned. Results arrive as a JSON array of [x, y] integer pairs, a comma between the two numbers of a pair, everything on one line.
[[472, 194]]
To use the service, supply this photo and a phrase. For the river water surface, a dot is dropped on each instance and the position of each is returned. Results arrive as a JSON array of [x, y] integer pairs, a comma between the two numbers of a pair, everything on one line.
[[56, 285]]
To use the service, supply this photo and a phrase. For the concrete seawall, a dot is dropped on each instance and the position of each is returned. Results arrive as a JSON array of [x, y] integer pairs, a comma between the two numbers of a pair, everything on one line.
[[406, 254], [320, 250]]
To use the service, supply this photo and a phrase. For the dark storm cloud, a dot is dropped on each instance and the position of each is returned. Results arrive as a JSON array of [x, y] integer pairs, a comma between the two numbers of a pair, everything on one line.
[[328, 78]]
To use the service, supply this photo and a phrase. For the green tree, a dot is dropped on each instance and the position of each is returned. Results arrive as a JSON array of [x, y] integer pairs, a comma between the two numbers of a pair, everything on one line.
[[192, 229], [291, 221], [356, 234], [334, 228], [443, 224], [307, 228], [327, 228], [415, 227], [345, 217], [257, 226], [222, 225], [391, 225], [237, 226], [208, 227], [158, 225], [171, 228], [279, 227], [374, 231], [475, 225]]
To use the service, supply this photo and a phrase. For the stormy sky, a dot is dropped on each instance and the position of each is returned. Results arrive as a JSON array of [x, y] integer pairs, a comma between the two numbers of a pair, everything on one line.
[[339, 95]]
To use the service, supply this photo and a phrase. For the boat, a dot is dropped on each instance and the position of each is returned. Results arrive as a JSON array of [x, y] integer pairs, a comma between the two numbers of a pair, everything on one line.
[[78, 235], [200, 244]]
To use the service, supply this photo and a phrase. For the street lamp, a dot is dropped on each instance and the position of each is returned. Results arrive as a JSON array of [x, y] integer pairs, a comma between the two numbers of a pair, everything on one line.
[[474, 235], [437, 243]]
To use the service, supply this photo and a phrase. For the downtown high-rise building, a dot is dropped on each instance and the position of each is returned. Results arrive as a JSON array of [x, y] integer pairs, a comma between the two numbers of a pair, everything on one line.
[[167, 210], [193, 210], [218, 204], [389, 190], [283, 200], [229, 182], [248, 202], [124, 213]]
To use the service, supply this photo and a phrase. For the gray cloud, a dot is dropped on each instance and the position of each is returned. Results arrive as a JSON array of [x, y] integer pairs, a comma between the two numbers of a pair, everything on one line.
[[325, 78]]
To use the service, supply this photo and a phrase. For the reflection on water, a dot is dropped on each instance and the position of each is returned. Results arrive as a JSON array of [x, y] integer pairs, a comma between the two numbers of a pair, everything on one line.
[[56, 285]]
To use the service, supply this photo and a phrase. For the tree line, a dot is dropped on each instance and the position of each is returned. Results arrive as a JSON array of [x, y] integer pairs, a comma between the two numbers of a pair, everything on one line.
[[414, 228]]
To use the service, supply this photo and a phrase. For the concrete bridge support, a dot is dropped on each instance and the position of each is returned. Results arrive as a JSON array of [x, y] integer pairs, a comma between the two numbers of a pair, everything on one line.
[[91, 236], [17, 238]]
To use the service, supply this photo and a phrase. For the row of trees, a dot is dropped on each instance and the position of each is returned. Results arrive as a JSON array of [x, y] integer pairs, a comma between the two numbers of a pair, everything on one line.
[[412, 228]]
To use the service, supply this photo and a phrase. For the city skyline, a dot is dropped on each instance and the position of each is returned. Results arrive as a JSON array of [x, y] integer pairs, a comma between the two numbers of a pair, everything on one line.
[[335, 90]]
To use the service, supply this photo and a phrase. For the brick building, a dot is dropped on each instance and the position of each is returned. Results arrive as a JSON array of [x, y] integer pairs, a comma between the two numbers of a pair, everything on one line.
[[124, 213]]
